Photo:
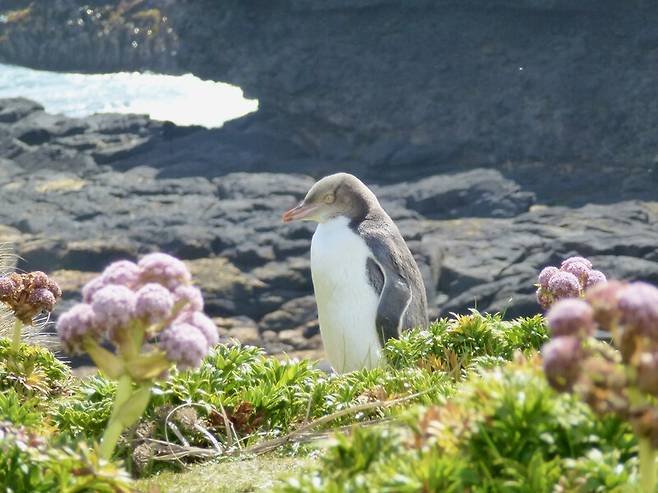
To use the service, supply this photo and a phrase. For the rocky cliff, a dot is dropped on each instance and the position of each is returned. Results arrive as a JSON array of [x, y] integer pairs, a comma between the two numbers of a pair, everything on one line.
[[502, 135], [78, 193], [391, 88]]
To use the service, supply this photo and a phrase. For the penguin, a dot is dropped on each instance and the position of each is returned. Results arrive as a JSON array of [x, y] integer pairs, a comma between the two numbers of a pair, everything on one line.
[[368, 287]]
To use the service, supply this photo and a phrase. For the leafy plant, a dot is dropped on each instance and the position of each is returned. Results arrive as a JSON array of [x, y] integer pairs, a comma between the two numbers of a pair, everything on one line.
[[263, 397], [620, 379], [86, 412], [504, 430], [152, 316], [479, 416], [32, 370], [29, 463], [452, 345], [17, 410]]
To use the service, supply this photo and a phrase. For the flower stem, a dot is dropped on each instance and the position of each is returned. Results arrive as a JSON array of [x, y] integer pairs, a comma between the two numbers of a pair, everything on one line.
[[647, 466], [114, 426], [16, 339]]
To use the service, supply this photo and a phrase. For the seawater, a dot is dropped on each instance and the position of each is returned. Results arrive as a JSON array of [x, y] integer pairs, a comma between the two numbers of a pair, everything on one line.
[[184, 99]]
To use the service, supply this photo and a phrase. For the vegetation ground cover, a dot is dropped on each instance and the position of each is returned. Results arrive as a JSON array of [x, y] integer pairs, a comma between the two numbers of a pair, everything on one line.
[[470, 410]]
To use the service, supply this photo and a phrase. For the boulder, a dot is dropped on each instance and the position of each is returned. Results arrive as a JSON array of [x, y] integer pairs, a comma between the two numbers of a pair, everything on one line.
[[475, 193], [227, 291], [293, 313]]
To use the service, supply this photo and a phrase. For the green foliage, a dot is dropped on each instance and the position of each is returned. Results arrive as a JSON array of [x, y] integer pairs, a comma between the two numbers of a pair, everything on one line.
[[265, 396], [599, 472], [504, 430], [17, 410], [86, 413], [28, 463], [261, 396], [33, 371], [275, 390], [480, 417], [453, 345]]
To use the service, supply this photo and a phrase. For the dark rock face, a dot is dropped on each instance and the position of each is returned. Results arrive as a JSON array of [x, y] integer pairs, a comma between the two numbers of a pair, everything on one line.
[[501, 135], [393, 89], [479, 237], [90, 36], [479, 192]]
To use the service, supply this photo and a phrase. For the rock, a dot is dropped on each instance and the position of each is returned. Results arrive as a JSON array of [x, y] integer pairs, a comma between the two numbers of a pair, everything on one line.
[[251, 255], [493, 263], [294, 338], [477, 234], [476, 193], [108, 36], [311, 329], [226, 290], [270, 336], [10, 236], [277, 348], [228, 323], [293, 313], [11, 149], [478, 81], [246, 335], [55, 158], [262, 186], [122, 149], [293, 275], [72, 281], [15, 109], [38, 127]]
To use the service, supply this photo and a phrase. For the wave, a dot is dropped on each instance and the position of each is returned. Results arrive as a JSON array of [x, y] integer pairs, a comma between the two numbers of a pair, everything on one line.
[[183, 99]]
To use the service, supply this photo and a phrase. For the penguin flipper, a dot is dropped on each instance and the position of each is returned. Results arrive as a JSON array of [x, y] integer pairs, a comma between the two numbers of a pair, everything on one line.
[[394, 297]]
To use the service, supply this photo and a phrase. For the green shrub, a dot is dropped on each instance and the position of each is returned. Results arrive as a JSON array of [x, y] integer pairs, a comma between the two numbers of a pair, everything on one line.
[[86, 412], [18, 410], [265, 397], [504, 430], [452, 345], [471, 419], [29, 463], [34, 371]]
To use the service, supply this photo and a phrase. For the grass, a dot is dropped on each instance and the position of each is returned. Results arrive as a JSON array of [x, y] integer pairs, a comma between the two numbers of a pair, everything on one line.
[[238, 476]]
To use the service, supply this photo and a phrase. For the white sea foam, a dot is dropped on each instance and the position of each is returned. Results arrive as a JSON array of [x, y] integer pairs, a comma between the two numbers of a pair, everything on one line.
[[184, 100]]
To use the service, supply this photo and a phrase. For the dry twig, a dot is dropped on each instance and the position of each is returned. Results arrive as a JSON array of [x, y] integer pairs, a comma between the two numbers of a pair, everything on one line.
[[303, 434]]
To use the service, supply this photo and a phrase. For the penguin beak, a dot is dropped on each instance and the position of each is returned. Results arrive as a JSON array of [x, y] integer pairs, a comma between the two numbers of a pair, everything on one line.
[[299, 213]]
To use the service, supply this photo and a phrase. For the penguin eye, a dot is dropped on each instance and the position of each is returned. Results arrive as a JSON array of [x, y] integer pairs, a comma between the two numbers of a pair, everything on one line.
[[329, 198]]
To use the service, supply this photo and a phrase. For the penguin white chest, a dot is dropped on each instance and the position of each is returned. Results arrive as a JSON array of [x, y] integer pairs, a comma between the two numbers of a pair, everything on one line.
[[347, 302]]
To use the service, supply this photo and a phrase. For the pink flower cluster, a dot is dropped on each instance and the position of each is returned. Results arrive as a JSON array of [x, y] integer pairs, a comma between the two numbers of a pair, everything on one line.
[[571, 280], [604, 377], [153, 296], [29, 294]]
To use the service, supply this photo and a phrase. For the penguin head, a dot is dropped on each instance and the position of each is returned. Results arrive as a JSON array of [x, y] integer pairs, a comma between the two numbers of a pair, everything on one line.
[[333, 196]]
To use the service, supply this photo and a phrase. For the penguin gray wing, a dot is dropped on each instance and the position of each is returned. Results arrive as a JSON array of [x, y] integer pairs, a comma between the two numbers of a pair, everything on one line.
[[394, 291]]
